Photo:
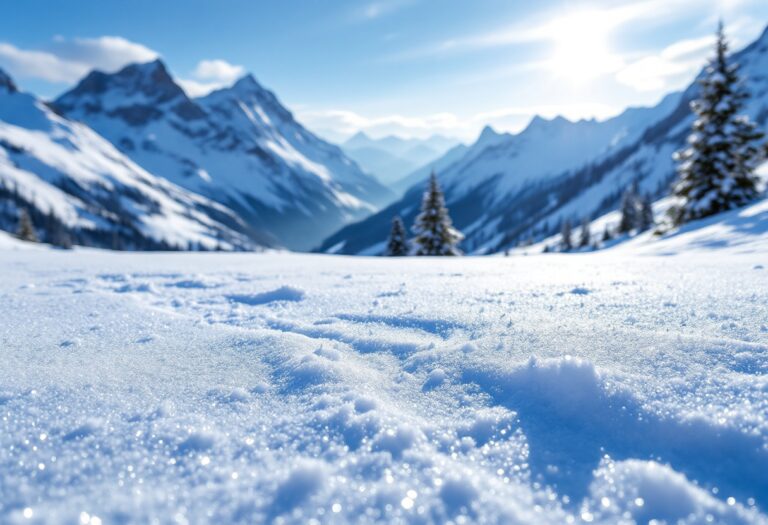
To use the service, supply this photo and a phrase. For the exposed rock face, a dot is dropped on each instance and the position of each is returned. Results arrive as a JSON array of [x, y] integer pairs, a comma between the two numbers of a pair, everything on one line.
[[6, 82]]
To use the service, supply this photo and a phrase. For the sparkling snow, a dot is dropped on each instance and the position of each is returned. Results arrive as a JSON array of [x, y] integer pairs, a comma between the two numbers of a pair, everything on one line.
[[610, 387]]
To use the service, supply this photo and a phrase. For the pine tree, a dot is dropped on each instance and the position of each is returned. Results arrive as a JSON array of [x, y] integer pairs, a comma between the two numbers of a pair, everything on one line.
[[645, 220], [716, 172], [435, 234], [566, 236], [628, 211], [397, 246], [26, 231], [607, 236], [586, 235]]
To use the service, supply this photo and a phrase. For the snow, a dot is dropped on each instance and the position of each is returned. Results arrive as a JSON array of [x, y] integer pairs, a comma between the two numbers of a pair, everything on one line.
[[612, 387], [43, 152], [10, 242], [237, 146]]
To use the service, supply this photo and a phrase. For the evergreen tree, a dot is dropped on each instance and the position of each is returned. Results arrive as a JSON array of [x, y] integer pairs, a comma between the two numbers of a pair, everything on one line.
[[586, 235], [716, 172], [435, 234], [566, 236], [607, 236], [26, 231], [628, 211], [645, 214], [397, 246]]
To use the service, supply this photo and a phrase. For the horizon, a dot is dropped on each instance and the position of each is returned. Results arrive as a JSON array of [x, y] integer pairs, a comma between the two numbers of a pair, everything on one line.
[[588, 60]]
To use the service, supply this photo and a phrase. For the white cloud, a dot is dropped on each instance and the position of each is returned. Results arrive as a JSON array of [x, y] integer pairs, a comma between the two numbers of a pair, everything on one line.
[[218, 71], [210, 75], [378, 8], [107, 53], [671, 68], [343, 122], [194, 89], [68, 60], [24, 63]]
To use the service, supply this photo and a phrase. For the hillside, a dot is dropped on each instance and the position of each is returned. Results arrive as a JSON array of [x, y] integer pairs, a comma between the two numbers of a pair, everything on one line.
[[525, 185], [79, 189]]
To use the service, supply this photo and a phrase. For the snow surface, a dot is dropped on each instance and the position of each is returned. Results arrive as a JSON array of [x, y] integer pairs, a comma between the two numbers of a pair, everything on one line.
[[10, 242], [610, 387]]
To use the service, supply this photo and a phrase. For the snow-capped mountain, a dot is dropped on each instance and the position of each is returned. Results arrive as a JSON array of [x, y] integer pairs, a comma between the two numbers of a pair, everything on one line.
[[238, 146], [77, 187], [521, 186], [392, 158]]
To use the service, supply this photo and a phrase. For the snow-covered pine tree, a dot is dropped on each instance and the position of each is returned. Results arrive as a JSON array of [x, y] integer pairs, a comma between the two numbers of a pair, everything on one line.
[[628, 211], [397, 245], [585, 237], [26, 231], [435, 234], [566, 241], [716, 172], [645, 220]]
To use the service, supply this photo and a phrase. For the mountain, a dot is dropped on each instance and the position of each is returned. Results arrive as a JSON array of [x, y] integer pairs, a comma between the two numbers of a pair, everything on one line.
[[487, 137], [238, 146], [392, 158], [523, 186], [78, 188], [383, 165]]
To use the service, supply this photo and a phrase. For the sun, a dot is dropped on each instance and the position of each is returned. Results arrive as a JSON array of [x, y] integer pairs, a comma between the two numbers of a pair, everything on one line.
[[582, 50]]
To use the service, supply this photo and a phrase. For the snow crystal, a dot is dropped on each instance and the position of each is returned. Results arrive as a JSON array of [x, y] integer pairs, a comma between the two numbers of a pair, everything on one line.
[[500, 399]]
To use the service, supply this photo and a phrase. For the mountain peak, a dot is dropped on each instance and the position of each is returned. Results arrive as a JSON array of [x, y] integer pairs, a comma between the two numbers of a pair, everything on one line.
[[358, 140], [138, 93], [148, 68], [539, 123], [150, 79], [488, 133], [764, 36], [6, 82], [248, 81]]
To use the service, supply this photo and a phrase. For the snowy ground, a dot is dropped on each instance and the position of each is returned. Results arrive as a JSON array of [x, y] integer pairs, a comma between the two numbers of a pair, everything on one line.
[[214, 388]]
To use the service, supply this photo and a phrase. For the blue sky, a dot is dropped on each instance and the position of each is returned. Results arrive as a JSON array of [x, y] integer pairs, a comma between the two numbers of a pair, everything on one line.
[[410, 67]]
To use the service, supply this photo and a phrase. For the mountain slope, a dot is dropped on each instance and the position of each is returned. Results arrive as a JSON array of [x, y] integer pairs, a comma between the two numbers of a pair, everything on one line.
[[80, 189], [526, 184], [499, 168], [238, 146], [385, 166], [392, 158]]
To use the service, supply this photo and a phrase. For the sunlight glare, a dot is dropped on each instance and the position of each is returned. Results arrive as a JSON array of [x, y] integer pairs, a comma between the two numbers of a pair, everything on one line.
[[582, 50]]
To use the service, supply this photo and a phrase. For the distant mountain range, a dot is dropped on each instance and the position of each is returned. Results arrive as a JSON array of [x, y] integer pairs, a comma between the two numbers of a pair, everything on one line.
[[237, 159], [392, 159], [128, 160], [507, 188]]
